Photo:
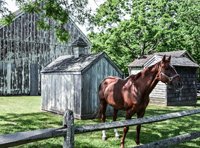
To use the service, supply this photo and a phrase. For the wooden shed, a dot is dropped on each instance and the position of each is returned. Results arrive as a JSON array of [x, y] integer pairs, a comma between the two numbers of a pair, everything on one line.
[[185, 66], [71, 82], [25, 51]]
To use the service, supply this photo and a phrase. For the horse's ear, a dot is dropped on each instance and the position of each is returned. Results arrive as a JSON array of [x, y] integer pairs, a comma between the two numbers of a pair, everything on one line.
[[163, 59], [169, 58]]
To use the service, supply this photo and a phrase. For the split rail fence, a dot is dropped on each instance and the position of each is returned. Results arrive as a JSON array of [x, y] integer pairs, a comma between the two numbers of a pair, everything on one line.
[[68, 130]]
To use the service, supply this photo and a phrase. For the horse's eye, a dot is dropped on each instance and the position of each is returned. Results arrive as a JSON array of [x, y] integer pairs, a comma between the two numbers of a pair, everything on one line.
[[166, 68]]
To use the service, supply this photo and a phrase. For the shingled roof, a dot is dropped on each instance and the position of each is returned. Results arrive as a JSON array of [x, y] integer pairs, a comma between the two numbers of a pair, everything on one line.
[[69, 63], [16, 13], [183, 61], [175, 61], [140, 62], [172, 53]]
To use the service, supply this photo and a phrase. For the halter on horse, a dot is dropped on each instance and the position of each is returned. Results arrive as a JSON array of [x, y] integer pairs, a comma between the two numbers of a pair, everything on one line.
[[132, 94]]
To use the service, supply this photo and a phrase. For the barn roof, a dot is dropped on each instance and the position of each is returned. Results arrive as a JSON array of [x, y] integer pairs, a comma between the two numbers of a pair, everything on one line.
[[16, 13], [69, 63], [142, 61], [19, 12]]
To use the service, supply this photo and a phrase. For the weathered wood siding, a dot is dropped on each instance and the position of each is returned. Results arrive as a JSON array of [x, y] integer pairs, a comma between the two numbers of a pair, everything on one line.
[[21, 45], [90, 84], [188, 95], [60, 92], [136, 70], [76, 92], [158, 95]]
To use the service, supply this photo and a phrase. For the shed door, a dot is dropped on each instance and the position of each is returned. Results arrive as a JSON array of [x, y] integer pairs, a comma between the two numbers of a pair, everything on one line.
[[34, 79]]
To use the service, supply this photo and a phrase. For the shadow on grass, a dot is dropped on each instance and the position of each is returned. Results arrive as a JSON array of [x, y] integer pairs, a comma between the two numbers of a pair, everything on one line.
[[42, 145], [11, 122], [162, 130]]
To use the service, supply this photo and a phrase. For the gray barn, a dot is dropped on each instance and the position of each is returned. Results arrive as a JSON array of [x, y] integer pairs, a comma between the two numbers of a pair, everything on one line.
[[25, 51], [71, 82], [185, 66]]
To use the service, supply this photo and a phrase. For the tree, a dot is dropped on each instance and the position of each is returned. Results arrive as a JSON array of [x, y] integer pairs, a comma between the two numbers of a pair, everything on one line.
[[130, 29], [58, 10], [6, 13], [189, 19]]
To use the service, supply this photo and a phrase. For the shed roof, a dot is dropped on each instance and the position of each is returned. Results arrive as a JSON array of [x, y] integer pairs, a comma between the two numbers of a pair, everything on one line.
[[183, 61], [177, 55], [69, 63], [179, 61], [172, 53]]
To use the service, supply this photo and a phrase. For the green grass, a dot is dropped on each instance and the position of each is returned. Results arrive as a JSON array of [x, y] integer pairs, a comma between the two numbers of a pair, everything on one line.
[[19, 114]]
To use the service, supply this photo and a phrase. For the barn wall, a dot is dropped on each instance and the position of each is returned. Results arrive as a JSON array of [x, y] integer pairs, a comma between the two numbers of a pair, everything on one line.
[[188, 95], [22, 45], [90, 84]]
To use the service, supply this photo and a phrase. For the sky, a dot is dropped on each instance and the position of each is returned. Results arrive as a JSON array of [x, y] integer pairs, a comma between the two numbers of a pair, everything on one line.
[[92, 3]]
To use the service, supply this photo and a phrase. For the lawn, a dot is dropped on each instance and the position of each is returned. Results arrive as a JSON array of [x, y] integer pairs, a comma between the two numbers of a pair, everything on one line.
[[19, 114]]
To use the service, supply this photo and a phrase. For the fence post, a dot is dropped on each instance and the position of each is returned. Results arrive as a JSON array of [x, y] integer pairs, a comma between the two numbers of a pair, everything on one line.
[[68, 121]]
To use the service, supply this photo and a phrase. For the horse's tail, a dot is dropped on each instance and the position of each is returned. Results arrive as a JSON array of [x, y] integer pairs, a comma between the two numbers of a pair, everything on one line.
[[97, 112]]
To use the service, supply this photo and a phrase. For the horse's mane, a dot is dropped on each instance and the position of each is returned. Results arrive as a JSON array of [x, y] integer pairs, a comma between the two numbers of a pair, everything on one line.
[[145, 71], [149, 69]]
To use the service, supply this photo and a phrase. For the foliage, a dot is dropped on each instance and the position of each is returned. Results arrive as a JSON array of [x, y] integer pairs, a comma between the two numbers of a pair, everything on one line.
[[129, 29], [58, 10], [18, 114], [6, 14]]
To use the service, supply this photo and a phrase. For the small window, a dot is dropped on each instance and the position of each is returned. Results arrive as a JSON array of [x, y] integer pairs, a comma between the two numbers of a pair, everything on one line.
[[198, 75]]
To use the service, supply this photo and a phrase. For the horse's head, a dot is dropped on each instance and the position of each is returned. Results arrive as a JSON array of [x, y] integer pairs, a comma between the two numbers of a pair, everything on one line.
[[168, 74]]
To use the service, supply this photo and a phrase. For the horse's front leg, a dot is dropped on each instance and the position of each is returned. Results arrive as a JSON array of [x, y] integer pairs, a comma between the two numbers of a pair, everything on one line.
[[129, 114], [139, 115]]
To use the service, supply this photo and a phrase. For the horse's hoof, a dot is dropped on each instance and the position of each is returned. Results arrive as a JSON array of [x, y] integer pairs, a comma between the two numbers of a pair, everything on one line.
[[117, 137], [104, 138]]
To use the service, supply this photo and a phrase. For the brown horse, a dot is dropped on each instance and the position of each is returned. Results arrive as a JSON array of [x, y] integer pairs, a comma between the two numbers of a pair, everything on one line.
[[132, 94]]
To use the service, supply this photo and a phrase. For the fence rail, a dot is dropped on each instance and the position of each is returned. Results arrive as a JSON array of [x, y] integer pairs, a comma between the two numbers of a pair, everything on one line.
[[171, 141], [68, 130]]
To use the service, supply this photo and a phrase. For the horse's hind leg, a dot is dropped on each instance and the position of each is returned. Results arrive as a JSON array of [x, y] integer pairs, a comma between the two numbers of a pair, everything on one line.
[[114, 119], [103, 115]]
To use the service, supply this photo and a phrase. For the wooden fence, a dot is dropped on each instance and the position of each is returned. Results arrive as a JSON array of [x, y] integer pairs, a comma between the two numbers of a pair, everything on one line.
[[68, 130]]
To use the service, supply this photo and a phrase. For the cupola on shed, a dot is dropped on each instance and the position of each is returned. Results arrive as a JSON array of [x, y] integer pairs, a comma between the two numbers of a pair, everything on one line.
[[71, 82]]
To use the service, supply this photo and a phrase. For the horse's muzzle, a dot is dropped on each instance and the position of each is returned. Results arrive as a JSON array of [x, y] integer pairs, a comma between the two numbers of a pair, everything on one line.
[[178, 86]]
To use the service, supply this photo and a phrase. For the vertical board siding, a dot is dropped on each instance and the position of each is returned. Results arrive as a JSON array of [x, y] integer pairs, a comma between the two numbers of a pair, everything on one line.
[[21, 44], [77, 94], [57, 93]]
